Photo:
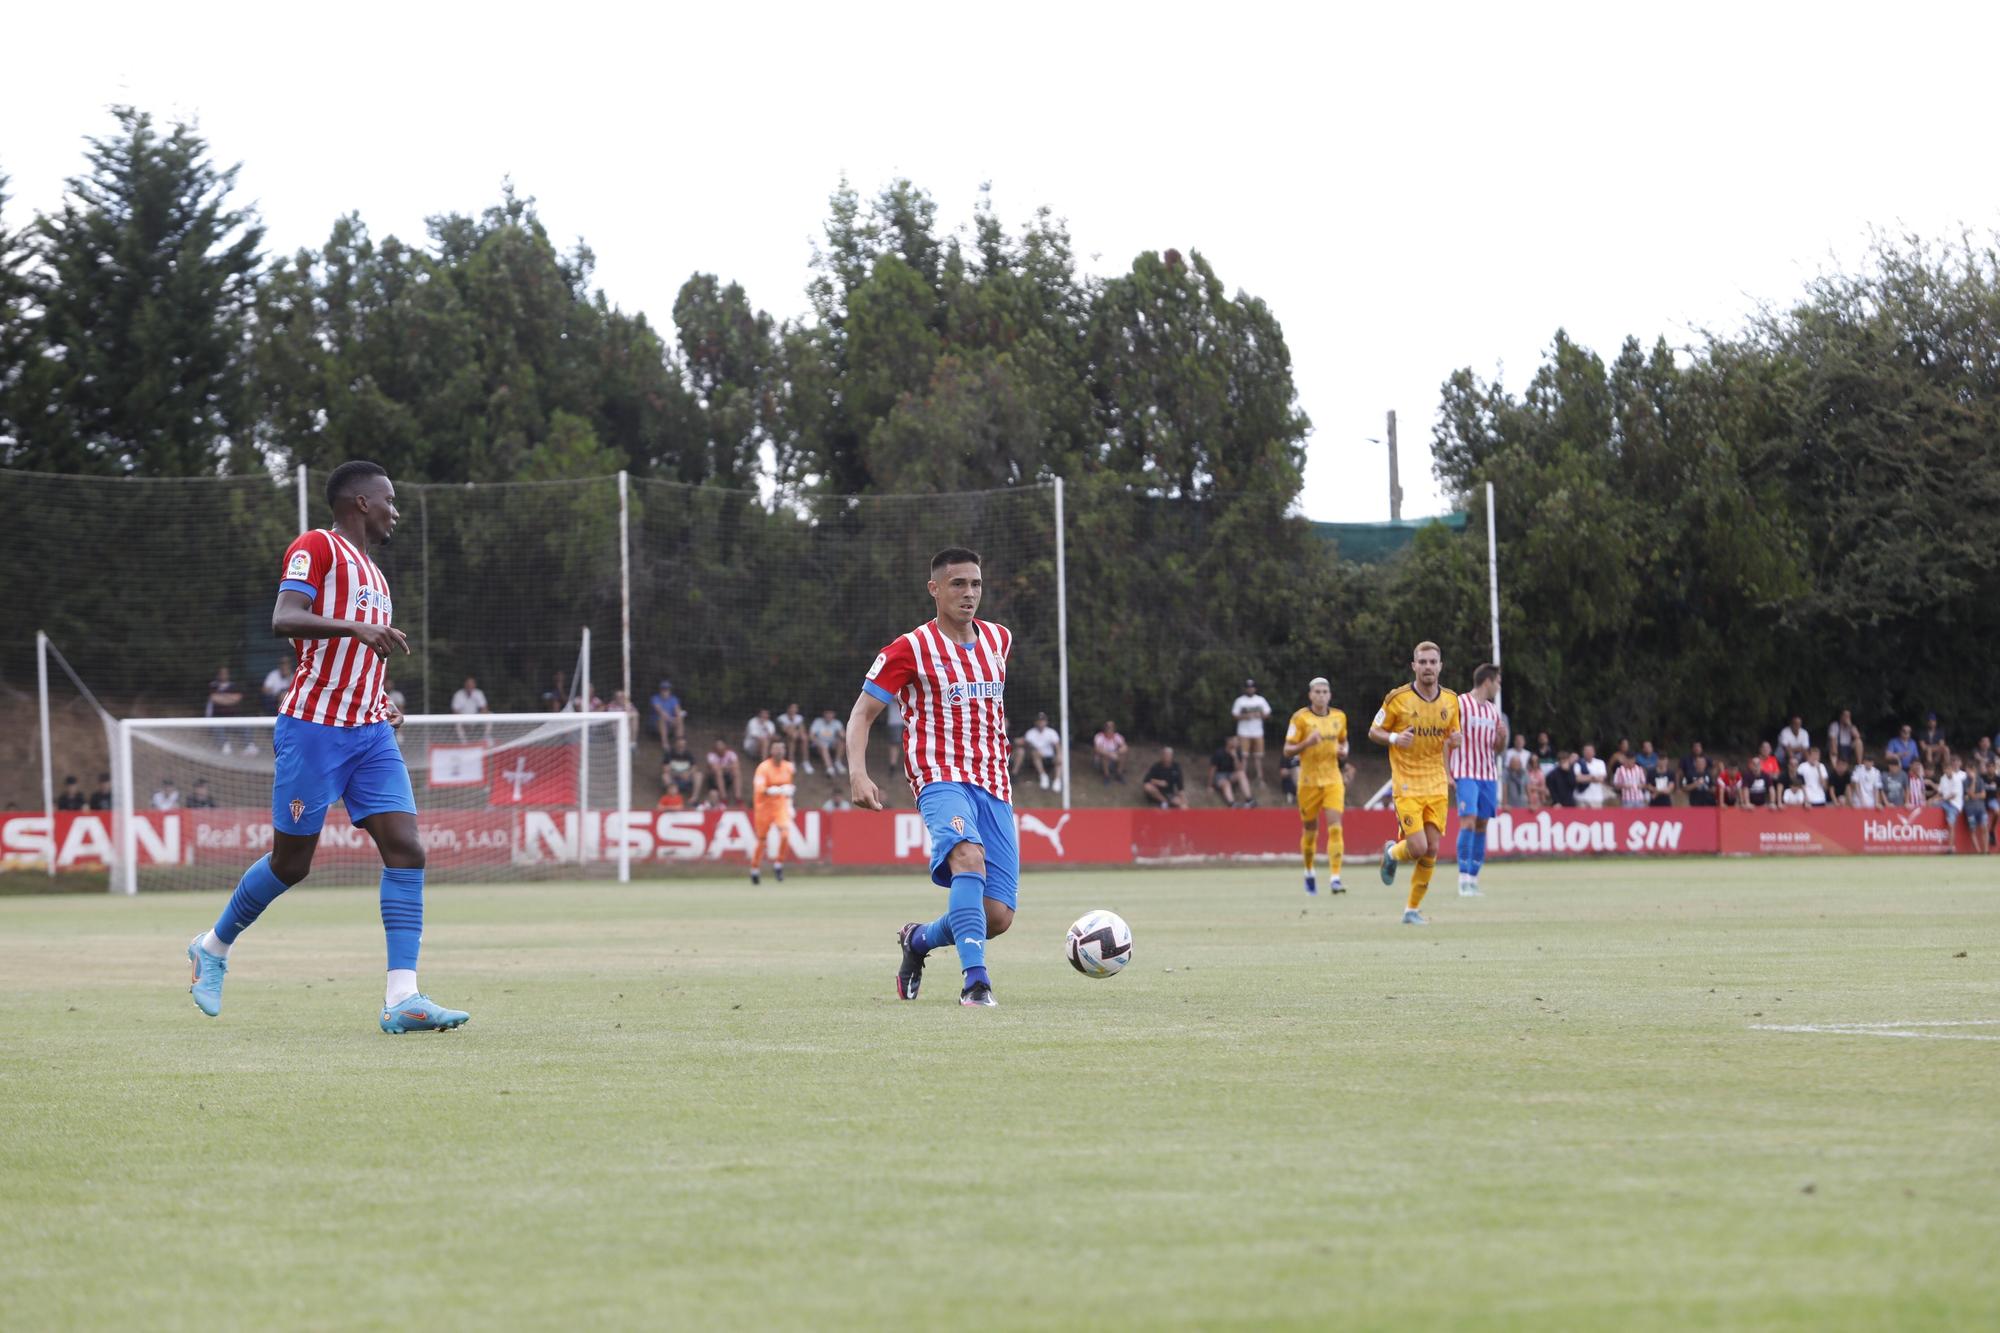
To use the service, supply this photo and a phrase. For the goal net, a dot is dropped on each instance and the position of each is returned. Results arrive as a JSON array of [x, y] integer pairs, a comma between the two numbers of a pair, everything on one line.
[[500, 797]]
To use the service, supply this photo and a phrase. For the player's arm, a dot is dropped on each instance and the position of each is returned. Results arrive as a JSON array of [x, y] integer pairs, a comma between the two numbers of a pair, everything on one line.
[[1379, 731], [1299, 737], [861, 788], [294, 618]]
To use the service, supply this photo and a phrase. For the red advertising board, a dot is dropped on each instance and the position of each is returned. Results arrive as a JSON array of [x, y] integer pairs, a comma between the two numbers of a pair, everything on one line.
[[1801, 832]]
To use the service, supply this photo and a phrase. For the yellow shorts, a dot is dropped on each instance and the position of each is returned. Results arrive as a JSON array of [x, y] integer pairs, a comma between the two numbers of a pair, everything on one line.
[[1413, 812], [1328, 796]]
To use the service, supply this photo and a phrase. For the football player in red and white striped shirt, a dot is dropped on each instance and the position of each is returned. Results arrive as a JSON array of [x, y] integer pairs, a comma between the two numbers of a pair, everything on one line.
[[335, 739], [950, 678], [1476, 773]]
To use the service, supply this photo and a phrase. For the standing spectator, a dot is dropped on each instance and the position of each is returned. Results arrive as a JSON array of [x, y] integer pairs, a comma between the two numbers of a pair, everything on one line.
[[199, 797], [1921, 789], [1109, 753], [556, 697], [1516, 765], [1759, 787], [276, 682], [1561, 781], [678, 773], [1537, 786], [1694, 753], [758, 733], [1707, 789], [394, 695], [1163, 783], [619, 703], [1931, 744], [101, 799], [826, 732], [894, 710], [1895, 784], [1979, 791], [1630, 780], [1865, 792], [1663, 782], [669, 718], [225, 700], [1902, 747], [1592, 787], [72, 797], [725, 773], [167, 796], [1039, 748], [1545, 752], [1839, 782], [792, 731], [470, 701], [1250, 710], [1812, 778], [1951, 797], [1648, 760], [1794, 741], [1226, 776], [1843, 738]]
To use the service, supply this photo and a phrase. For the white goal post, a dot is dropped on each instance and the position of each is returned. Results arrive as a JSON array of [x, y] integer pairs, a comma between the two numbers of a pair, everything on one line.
[[500, 797]]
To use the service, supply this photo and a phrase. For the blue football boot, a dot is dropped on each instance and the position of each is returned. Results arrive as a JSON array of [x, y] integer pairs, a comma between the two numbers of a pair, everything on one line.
[[420, 1013], [205, 978]]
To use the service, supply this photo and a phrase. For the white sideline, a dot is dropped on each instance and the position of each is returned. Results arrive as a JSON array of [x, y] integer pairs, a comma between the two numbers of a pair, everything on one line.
[[1891, 1029]]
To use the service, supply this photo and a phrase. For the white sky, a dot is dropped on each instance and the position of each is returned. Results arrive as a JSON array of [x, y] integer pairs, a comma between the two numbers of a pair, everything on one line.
[[1411, 192]]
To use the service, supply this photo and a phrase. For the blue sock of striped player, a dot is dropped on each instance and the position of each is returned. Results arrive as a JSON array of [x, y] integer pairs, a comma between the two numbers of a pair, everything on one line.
[[257, 890], [403, 916], [1478, 853], [933, 936], [1466, 865], [968, 924]]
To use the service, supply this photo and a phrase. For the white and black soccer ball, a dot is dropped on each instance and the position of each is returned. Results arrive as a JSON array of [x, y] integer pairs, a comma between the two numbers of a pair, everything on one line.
[[1099, 944]]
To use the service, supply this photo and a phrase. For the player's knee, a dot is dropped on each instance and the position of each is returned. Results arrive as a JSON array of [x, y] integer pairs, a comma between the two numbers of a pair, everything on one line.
[[999, 916], [968, 858]]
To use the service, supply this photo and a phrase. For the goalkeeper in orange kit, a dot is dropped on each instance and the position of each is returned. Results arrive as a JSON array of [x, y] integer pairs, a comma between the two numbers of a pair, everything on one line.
[[771, 789]]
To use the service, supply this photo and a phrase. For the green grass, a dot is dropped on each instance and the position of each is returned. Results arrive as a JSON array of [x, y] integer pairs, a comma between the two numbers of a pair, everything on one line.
[[696, 1105]]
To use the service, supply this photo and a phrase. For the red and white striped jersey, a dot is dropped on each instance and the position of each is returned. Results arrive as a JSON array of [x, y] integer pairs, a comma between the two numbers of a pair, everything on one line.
[[1474, 758], [954, 704], [338, 681]]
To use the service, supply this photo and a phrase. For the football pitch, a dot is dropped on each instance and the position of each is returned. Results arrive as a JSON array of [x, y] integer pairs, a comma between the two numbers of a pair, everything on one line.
[[1615, 1095]]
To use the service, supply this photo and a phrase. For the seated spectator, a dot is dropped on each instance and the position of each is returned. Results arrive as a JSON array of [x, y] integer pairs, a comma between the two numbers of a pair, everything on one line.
[[827, 737], [725, 774], [1630, 782], [1951, 786], [897, 724], [167, 796], [1793, 741], [1768, 762], [276, 682], [792, 731], [1226, 777], [225, 699], [1687, 760], [1648, 759], [556, 697], [101, 799], [678, 773], [1931, 746], [1895, 784], [1108, 755], [671, 796], [470, 701], [1903, 748], [1839, 781], [1865, 791], [394, 695], [1982, 754], [618, 703], [1288, 776], [1707, 789], [1979, 792], [198, 796], [1040, 748], [1561, 781], [669, 717], [71, 797], [758, 733], [1843, 738], [1811, 776], [1515, 764], [1163, 783], [1760, 789]]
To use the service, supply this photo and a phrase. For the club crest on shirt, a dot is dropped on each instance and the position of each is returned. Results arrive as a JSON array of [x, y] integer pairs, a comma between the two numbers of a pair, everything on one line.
[[300, 566], [957, 823], [881, 660], [298, 810]]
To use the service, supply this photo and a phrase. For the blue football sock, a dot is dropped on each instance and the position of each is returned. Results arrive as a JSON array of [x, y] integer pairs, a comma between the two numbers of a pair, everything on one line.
[[257, 890], [933, 936], [1465, 866], [975, 975], [403, 916], [1478, 852], [968, 920]]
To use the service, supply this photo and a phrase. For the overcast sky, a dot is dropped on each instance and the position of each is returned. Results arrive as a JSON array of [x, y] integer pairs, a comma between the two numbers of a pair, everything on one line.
[[1411, 191]]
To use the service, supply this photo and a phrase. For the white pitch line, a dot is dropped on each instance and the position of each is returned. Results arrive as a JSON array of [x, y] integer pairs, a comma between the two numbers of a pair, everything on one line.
[[1891, 1029]]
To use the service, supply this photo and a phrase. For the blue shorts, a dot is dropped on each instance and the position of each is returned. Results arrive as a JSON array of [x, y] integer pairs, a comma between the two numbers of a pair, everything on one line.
[[1478, 798], [956, 812], [318, 764]]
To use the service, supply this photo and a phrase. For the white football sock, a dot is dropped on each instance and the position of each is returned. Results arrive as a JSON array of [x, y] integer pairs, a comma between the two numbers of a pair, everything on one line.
[[212, 945], [402, 985]]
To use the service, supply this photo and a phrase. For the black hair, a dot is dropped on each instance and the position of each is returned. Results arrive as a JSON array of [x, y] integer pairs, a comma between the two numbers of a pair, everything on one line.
[[955, 555], [347, 478], [1487, 671]]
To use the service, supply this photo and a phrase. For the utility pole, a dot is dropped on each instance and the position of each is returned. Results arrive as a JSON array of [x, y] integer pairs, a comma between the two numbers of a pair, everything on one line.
[[1395, 485]]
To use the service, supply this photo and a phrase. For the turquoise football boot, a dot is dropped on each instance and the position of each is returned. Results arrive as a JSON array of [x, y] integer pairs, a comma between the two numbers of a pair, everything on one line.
[[205, 978], [420, 1013]]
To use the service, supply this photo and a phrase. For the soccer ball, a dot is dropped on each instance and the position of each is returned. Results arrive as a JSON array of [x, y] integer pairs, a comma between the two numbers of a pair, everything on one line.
[[1099, 944]]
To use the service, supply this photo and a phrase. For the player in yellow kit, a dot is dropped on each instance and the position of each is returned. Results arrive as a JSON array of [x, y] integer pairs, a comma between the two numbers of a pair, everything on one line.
[[1318, 736], [1420, 725]]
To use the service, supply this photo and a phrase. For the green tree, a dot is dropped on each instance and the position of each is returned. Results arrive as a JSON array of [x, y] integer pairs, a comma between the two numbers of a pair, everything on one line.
[[142, 284]]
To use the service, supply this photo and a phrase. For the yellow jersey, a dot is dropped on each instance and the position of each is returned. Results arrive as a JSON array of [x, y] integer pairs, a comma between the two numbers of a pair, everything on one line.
[[1419, 769], [1319, 766]]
